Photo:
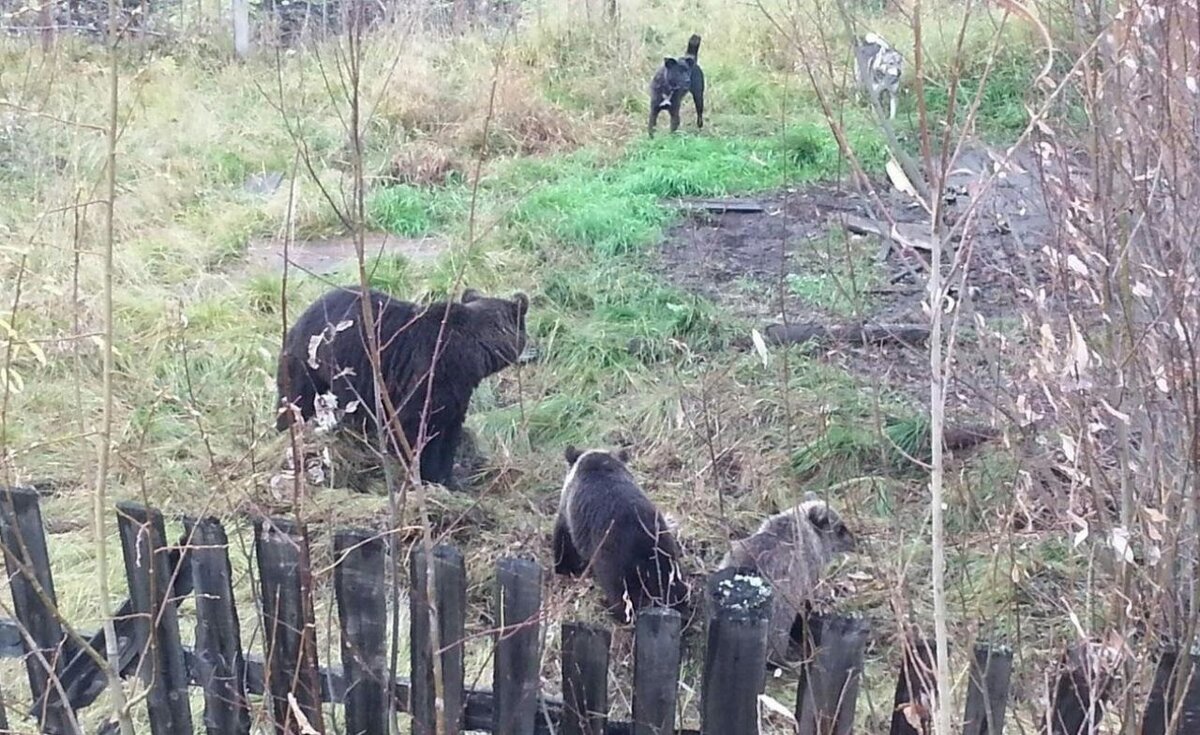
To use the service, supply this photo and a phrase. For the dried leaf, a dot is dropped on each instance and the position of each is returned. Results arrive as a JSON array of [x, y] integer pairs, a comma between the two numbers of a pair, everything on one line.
[[899, 180], [343, 325], [776, 707], [1118, 539], [760, 346]]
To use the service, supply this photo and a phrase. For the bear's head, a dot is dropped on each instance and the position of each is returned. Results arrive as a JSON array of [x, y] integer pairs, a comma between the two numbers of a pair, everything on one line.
[[828, 523], [499, 325], [572, 455]]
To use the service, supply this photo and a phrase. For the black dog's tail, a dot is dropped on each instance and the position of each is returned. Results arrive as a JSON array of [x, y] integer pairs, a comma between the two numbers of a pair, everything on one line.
[[693, 47]]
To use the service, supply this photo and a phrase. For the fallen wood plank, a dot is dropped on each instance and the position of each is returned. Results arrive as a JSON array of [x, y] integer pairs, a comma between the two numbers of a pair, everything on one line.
[[857, 335], [905, 233], [737, 206]]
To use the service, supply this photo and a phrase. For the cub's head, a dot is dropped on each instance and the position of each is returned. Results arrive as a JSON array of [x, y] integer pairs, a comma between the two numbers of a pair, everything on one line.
[[595, 461], [678, 73], [499, 324], [595, 457], [828, 524]]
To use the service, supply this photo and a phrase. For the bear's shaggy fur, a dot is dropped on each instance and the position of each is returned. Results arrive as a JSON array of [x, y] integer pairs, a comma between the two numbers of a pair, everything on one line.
[[327, 350], [791, 550], [606, 524]]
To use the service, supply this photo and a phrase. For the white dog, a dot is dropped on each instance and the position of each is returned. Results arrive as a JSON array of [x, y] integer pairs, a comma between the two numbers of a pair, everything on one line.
[[877, 67]]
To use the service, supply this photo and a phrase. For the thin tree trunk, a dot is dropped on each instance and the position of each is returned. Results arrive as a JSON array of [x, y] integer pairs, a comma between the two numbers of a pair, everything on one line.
[[100, 498]]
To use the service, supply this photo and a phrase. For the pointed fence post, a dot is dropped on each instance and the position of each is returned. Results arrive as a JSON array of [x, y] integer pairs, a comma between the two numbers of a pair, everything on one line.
[[515, 682], [450, 605], [656, 659], [358, 581], [735, 663], [220, 665], [584, 679], [830, 678], [150, 573], [34, 603], [290, 630]]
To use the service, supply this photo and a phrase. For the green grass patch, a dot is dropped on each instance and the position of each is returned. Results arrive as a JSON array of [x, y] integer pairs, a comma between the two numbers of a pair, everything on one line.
[[411, 211], [619, 209]]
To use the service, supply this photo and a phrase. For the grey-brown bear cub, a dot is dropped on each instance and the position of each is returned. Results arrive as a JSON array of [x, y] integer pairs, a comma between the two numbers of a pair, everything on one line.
[[675, 79], [791, 550], [607, 525]]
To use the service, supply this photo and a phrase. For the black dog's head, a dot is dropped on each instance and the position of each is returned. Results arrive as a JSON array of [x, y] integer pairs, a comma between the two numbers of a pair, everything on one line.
[[677, 73]]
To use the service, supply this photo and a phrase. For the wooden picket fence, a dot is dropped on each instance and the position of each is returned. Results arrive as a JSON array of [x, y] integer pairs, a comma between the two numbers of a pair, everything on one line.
[[64, 677]]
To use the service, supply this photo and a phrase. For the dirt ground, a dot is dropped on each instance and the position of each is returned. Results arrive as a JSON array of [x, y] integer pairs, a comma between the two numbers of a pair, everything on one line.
[[797, 255], [739, 259]]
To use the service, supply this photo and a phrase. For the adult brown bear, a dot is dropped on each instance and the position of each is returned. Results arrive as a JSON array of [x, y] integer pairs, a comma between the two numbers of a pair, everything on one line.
[[422, 362]]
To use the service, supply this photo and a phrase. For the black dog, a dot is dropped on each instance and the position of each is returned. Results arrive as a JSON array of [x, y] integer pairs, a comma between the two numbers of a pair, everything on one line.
[[674, 79]]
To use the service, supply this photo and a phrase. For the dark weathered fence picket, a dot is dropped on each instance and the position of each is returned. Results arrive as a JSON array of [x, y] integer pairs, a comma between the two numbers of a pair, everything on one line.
[[735, 667], [35, 604], [289, 627], [829, 681], [150, 573], [656, 659], [987, 691], [450, 606], [516, 660], [1077, 704], [1165, 715], [735, 662], [358, 579], [3, 716], [584, 679], [219, 664], [915, 688]]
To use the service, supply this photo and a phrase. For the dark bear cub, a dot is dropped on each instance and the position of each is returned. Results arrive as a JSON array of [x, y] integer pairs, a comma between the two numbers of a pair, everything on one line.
[[607, 524], [675, 79], [429, 372]]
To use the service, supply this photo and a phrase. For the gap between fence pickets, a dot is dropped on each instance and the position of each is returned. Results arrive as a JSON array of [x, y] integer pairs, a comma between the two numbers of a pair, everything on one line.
[[333, 688]]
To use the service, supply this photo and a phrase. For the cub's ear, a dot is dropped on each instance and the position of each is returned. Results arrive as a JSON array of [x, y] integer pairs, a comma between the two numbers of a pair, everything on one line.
[[669, 62], [471, 295], [818, 515], [689, 62], [622, 454], [522, 302], [810, 496], [572, 455]]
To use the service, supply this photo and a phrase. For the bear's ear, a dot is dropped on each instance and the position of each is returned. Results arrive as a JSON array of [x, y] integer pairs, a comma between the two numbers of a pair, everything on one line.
[[689, 62], [810, 496], [522, 303], [572, 455], [471, 295], [622, 454], [669, 62], [818, 515]]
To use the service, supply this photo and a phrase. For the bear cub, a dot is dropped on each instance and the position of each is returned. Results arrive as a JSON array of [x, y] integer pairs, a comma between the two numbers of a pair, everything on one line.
[[791, 550], [675, 79], [607, 524], [327, 352]]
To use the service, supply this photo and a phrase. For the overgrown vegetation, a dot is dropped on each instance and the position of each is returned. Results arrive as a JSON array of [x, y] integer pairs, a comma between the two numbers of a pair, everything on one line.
[[506, 159]]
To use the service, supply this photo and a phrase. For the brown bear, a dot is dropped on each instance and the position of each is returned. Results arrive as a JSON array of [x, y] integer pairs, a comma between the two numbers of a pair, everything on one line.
[[791, 550], [326, 352], [607, 524]]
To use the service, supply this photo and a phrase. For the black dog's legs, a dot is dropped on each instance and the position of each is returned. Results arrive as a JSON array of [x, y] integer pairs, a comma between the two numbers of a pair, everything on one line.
[[698, 98], [674, 111], [654, 110]]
